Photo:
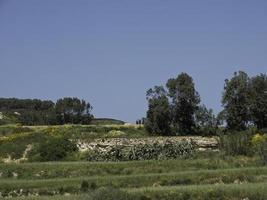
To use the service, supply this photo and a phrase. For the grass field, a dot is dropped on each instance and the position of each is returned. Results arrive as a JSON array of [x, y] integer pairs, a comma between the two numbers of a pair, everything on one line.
[[208, 175], [203, 192], [202, 178]]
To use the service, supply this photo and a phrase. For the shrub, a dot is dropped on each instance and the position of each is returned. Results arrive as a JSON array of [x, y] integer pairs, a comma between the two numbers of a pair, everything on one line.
[[109, 193], [16, 144], [84, 186], [115, 133], [56, 148], [259, 143], [263, 152], [236, 143]]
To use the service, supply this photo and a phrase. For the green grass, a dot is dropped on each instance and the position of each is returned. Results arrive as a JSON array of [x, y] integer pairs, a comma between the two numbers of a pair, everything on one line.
[[200, 178], [7, 130], [205, 192], [77, 169], [227, 176], [16, 144]]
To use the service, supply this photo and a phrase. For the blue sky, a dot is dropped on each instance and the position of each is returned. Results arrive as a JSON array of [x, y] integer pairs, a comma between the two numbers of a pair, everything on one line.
[[111, 52]]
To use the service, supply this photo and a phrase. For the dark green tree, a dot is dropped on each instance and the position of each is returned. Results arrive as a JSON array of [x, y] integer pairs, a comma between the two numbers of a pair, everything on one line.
[[206, 121], [158, 115], [29, 111], [73, 110], [236, 101], [185, 100], [258, 100]]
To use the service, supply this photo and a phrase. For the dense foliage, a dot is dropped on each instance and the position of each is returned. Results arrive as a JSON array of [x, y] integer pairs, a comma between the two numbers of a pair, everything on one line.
[[184, 102], [159, 113], [172, 112], [258, 100], [245, 101], [176, 109], [42, 112], [55, 149], [236, 101]]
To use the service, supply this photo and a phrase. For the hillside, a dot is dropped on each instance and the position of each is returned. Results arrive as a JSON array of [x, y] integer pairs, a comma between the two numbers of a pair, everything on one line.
[[122, 162]]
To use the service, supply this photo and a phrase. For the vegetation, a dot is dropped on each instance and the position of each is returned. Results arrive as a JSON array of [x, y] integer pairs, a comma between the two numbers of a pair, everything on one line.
[[158, 114], [38, 112], [224, 192], [14, 139], [106, 121], [244, 101], [176, 116], [135, 178], [55, 149], [177, 110], [184, 102]]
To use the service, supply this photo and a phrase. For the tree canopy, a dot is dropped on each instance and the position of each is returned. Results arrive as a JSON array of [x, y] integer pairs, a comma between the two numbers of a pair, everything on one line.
[[43, 112], [173, 110]]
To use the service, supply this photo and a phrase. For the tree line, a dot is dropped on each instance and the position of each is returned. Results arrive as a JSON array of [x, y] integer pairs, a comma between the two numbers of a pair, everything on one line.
[[45, 112], [176, 109]]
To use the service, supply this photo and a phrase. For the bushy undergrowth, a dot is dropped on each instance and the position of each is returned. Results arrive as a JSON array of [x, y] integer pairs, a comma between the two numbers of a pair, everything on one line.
[[236, 143], [245, 143], [263, 152], [56, 148], [155, 151], [7, 130], [15, 138], [15, 145], [95, 131]]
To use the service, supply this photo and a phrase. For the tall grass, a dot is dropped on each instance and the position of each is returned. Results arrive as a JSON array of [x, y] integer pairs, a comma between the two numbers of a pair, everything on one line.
[[73, 169]]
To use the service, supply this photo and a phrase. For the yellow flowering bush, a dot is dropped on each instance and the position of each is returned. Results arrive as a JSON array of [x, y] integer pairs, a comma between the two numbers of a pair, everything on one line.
[[258, 139], [115, 133]]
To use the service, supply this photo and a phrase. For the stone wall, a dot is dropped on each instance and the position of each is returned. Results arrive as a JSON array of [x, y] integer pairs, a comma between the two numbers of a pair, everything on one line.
[[203, 143]]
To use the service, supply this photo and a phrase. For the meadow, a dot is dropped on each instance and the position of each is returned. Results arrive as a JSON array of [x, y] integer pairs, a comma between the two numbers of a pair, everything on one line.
[[203, 175]]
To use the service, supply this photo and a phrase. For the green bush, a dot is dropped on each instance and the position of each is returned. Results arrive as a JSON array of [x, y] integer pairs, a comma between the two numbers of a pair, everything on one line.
[[263, 152], [7, 130], [84, 186], [109, 193], [56, 148], [15, 145], [236, 143]]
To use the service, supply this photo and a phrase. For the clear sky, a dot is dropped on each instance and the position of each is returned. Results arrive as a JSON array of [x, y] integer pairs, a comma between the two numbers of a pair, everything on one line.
[[110, 52]]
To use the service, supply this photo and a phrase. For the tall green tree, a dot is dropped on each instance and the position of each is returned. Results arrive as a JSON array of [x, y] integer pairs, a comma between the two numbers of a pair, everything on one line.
[[206, 121], [258, 100], [29, 111], [236, 101], [73, 110], [185, 100], [158, 114]]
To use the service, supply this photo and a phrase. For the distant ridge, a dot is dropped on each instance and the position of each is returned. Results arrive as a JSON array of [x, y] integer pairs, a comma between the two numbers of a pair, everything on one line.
[[106, 121]]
